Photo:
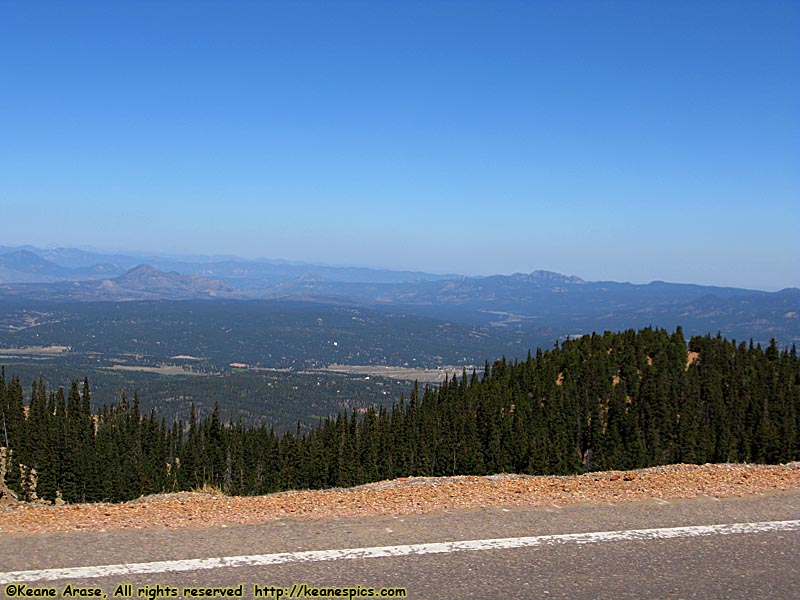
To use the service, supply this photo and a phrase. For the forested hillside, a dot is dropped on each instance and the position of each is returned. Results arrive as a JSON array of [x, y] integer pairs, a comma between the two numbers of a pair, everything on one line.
[[610, 401]]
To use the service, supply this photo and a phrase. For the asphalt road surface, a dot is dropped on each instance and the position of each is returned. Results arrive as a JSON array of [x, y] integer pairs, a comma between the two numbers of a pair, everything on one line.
[[700, 548]]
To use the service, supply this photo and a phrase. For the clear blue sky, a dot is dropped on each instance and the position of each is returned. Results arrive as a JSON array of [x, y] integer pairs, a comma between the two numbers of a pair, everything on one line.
[[612, 140]]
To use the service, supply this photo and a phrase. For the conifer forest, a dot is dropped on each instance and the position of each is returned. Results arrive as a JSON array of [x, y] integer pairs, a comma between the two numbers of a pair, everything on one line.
[[602, 401]]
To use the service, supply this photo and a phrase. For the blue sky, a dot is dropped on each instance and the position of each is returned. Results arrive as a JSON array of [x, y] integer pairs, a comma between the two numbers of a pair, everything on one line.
[[613, 140]]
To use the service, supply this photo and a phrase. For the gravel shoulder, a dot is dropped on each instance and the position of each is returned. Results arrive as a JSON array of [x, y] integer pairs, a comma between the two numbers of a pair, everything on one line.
[[412, 495]]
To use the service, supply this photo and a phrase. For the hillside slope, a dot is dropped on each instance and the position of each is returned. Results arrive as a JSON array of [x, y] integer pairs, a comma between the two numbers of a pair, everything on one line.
[[403, 496]]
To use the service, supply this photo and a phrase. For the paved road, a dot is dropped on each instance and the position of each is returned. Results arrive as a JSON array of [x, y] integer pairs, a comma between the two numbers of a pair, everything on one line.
[[717, 564]]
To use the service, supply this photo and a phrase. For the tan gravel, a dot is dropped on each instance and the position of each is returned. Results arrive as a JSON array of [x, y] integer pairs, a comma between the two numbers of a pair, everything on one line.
[[404, 496]]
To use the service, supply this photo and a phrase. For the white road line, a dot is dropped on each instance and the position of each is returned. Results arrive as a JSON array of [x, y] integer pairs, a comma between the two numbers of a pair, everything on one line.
[[392, 551]]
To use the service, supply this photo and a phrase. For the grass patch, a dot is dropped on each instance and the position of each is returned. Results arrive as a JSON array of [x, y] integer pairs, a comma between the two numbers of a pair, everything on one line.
[[207, 488]]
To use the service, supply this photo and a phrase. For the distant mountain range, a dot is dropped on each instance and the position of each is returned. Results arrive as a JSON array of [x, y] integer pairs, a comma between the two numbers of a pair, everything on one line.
[[552, 304], [24, 266], [29, 264]]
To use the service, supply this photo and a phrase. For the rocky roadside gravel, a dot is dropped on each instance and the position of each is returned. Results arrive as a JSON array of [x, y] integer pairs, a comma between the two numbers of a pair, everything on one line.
[[402, 496]]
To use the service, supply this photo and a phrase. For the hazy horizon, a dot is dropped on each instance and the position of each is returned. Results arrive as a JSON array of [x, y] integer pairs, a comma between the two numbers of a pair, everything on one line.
[[203, 257], [618, 141]]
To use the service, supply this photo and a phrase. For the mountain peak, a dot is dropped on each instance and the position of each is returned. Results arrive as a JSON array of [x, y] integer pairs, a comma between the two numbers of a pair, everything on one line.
[[23, 255], [546, 277], [25, 261], [143, 269], [147, 278], [142, 276]]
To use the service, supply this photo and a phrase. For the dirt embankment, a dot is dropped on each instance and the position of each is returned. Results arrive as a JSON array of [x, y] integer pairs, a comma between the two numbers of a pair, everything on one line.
[[404, 496]]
